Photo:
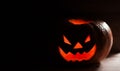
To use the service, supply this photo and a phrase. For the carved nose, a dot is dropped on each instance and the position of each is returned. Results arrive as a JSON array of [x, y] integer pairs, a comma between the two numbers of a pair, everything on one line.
[[77, 46]]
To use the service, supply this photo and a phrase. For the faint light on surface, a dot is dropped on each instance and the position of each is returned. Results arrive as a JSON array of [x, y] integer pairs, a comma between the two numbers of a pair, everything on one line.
[[111, 63]]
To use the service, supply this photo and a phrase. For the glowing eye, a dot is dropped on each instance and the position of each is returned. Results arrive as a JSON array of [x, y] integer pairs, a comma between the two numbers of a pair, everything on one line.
[[66, 40], [87, 39]]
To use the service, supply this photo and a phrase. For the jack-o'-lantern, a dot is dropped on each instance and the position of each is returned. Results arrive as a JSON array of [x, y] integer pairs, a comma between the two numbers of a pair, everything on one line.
[[84, 41]]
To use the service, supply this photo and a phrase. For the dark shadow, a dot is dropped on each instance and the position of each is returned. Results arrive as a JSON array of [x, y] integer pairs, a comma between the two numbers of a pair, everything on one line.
[[88, 67], [113, 52]]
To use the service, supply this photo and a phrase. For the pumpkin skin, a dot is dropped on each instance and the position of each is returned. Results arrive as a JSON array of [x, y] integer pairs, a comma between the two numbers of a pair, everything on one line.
[[84, 42]]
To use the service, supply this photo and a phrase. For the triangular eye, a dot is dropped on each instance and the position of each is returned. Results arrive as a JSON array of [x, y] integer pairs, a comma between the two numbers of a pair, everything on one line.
[[66, 40], [87, 39]]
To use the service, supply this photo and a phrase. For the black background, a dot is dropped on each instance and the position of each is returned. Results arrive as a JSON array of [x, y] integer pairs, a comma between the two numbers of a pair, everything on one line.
[[47, 16]]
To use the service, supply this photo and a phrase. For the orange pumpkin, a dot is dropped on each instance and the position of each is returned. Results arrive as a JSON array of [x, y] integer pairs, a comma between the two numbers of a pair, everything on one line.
[[83, 42]]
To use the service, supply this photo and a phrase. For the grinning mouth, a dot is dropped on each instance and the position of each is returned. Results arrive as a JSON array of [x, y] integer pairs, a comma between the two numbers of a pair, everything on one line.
[[78, 56]]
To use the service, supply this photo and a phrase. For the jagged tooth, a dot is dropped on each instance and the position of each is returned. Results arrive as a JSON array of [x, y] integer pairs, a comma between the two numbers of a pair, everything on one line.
[[77, 53], [69, 53], [84, 53], [78, 57]]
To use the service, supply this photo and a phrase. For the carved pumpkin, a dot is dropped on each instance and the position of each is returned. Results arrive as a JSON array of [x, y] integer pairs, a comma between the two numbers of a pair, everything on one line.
[[84, 41]]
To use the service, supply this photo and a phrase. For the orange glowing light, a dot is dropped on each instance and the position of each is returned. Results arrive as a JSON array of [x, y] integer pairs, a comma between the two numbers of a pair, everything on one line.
[[78, 21], [66, 40], [87, 39], [78, 57], [77, 46]]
